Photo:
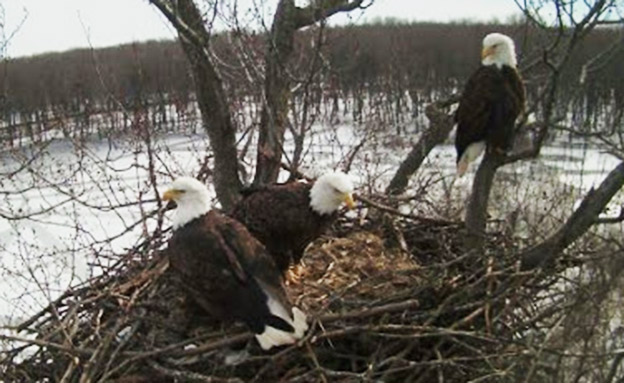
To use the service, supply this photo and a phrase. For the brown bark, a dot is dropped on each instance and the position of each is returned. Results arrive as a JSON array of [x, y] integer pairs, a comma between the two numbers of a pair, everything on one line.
[[213, 103], [579, 222], [440, 125], [277, 93], [274, 118], [476, 211]]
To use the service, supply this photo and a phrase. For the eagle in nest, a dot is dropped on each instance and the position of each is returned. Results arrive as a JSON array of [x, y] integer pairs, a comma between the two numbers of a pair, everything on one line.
[[226, 271], [287, 217], [492, 99]]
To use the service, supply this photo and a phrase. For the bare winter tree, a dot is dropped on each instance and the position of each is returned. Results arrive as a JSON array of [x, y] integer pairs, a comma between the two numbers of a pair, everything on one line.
[[571, 27], [392, 300], [187, 18], [441, 124]]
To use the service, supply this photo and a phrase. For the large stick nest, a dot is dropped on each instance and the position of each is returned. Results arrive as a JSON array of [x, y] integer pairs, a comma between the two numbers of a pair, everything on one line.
[[395, 301]]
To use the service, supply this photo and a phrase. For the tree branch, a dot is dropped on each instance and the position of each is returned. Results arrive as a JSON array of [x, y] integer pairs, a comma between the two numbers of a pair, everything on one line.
[[476, 211], [211, 96], [181, 27], [440, 125], [611, 220], [581, 220], [324, 9]]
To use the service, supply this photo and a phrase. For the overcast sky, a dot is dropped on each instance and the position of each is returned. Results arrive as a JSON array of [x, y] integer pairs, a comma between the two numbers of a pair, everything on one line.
[[56, 25]]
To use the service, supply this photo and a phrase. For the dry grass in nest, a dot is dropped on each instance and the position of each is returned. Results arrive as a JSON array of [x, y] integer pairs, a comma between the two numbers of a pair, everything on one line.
[[339, 273]]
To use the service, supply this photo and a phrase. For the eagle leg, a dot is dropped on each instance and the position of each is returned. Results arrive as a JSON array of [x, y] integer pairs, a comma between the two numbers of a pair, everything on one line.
[[471, 153], [462, 167], [295, 274], [500, 151]]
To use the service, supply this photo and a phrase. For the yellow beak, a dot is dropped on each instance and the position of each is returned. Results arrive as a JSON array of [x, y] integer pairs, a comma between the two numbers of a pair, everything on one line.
[[348, 200], [487, 52], [170, 195]]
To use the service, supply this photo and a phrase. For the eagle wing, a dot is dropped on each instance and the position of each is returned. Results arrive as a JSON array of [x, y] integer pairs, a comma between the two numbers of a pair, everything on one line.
[[276, 215], [509, 105], [248, 255], [481, 107], [228, 272]]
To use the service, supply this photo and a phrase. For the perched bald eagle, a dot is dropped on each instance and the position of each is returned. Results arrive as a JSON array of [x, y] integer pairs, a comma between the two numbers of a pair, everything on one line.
[[226, 271], [491, 101], [287, 217]]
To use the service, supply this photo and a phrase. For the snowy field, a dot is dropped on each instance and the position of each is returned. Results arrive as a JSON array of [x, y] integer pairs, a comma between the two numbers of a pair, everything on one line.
[[82, 206]]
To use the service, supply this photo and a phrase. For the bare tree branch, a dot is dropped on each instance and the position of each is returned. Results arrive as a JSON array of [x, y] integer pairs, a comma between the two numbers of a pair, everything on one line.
[[440, 125], [287, 20], [323, 9], [581, 220]]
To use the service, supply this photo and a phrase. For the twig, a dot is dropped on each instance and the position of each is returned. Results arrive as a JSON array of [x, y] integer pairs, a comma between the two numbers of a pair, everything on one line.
[[611, 220], [189, 376], [394, 211], [77, 351], [368, 312]]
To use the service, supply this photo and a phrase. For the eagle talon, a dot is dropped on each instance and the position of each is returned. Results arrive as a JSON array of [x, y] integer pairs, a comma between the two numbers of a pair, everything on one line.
[[295, 274], [500, 151]]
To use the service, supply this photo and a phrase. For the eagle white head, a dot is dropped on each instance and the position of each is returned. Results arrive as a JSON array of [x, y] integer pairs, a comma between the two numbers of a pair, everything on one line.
[[192, 198], [499, 50], [329, 192]]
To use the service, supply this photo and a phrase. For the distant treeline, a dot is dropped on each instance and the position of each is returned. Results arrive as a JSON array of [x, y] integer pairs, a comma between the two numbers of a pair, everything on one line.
[[424, 60]]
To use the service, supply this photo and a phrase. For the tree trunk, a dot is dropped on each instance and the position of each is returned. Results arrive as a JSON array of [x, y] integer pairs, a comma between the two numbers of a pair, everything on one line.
[[476, 212], [440, 126], [187, 19], [211, 98], [287, 20], [277, 93], [217, 122]]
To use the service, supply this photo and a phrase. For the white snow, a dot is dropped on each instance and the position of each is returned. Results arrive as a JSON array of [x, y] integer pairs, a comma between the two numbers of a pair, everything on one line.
[[76, 197]]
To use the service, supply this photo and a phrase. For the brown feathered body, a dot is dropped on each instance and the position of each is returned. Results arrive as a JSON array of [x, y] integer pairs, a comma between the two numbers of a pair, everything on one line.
[[490, 103], [227, 272], [280, 216]]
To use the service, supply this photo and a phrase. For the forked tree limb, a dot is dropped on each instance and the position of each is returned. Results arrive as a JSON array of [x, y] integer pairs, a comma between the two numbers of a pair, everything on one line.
[[198, 37], [324, 9], [288, 19], [440, 125], [579, 222]]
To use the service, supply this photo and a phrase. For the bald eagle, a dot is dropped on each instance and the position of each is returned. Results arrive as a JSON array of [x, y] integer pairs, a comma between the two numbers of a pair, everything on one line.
[[226, 271], [287, 217], [490, 103]]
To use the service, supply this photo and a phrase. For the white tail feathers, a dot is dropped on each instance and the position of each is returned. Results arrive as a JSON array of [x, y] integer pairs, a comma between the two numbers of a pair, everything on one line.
[[462, 166], [272, 337], [472, 152], [300, 322]]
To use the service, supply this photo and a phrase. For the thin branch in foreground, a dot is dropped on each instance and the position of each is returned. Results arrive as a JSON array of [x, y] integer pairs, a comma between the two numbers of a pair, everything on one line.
[[581, 220], [440, 125], [190, 376], [611, 220]]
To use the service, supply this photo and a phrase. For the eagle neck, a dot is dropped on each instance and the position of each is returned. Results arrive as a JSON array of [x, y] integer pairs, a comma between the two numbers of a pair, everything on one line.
[[187, 212], [321, 200], [499, 62]]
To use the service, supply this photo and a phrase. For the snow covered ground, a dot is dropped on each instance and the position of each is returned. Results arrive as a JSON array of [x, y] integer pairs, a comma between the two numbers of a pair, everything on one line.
[[83, 205]]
